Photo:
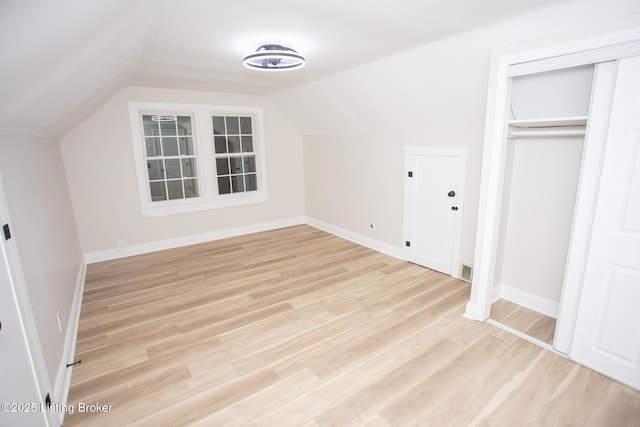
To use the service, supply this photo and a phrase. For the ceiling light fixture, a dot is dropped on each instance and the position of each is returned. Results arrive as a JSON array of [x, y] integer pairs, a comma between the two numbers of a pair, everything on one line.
[[163, 118], [274, 57]]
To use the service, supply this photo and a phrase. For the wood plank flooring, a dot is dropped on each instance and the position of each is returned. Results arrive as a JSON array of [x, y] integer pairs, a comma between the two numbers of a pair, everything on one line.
[[522, 319], [296, 327]]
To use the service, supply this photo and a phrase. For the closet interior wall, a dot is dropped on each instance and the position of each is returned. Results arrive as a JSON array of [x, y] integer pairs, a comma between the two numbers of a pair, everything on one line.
[[548, 116]]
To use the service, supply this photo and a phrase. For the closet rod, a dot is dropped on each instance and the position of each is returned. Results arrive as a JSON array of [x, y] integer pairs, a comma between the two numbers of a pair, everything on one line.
[[550, 133]]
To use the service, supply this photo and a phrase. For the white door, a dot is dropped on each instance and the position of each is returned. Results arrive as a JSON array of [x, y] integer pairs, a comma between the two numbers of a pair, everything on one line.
[[20, 393], [433, 209], [607, 332]]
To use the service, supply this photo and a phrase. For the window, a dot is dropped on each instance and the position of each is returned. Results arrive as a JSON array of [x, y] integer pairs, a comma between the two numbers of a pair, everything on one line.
[[171, 159], [235, 158], [196, 157]]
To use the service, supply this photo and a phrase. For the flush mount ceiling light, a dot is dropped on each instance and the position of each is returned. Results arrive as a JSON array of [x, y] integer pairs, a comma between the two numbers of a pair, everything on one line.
[[274, 57]]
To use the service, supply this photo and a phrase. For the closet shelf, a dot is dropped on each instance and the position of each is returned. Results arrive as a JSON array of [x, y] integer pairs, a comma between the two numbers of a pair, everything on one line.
[[562, 127], [549, 122]]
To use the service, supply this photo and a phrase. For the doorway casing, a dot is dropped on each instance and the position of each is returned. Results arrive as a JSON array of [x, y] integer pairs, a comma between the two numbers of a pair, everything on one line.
[[505, 63]]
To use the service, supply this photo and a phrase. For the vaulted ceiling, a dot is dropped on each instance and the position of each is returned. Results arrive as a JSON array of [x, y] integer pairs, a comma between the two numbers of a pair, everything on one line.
[[61, 59]]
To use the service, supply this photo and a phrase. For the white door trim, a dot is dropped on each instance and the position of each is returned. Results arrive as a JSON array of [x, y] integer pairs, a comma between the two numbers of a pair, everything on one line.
[[494, 149], [461, 153]]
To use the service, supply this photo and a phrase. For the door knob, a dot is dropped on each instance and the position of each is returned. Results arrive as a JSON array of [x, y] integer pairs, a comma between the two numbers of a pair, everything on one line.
[[451, 193], [454, 208]]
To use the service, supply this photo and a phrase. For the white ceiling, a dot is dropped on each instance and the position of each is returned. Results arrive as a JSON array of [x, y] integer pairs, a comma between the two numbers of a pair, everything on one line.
[[61, 59]]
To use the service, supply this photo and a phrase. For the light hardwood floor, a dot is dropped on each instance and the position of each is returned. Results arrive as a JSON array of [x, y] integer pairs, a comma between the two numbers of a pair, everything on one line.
[[522, 319], [296, 327]]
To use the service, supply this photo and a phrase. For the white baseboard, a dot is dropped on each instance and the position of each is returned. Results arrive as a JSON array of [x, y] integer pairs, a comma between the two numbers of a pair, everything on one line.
[[368, 242], [145, 248], [497, 293], [63, 379], [528, 300], [161, 245]]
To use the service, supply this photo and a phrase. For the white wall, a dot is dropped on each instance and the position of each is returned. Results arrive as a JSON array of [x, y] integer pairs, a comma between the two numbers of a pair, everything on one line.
[[541, 183], [540, 188], [44, 229], [433, 95], [403, 100], [349, 177], [558, 93], [356, 179], [98, 158]]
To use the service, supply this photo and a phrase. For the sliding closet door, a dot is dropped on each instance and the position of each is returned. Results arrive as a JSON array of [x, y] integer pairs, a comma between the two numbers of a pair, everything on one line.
[[607, 329]]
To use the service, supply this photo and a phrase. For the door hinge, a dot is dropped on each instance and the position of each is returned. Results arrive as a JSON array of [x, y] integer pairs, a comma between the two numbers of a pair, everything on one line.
[[6, 231], [410, 174], [407, 243]]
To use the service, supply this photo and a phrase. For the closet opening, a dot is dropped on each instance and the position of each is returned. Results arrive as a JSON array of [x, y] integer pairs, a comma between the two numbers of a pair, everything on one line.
[[548, 114], [597, 319]]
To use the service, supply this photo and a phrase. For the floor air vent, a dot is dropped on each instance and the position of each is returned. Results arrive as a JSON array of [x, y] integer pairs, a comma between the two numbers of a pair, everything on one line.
[[466, 272]]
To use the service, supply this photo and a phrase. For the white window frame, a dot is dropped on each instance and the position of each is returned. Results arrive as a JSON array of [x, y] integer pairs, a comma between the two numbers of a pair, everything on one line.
[[202, 130]]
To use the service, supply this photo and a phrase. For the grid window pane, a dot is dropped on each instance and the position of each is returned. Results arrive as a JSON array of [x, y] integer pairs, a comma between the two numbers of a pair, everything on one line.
[[184, 125], [235, 165], [251, 182], [172, 168], [174, 189], [185, 144], [189, 167], [224, 185], [237, 183], [245, 125], [220, 143], [233, 126], [234, 144], [169, 146], [170, 158], [222, 166], [151, 127], [247, 144], [218, 125], [153, 147], [155, 169], [168, 128], [234, 134], [190, 188], [158, 191], [249, 164]]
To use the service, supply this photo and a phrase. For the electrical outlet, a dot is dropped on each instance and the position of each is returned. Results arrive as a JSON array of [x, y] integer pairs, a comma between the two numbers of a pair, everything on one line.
[[59, 321], [119, 245]]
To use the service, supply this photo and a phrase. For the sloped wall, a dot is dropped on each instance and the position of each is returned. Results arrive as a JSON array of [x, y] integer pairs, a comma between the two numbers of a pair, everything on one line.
[[425, 97], [434, 95]]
